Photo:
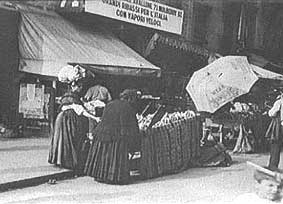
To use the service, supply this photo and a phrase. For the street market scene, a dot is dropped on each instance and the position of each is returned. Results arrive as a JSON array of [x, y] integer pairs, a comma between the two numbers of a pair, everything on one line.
[[141, 101]]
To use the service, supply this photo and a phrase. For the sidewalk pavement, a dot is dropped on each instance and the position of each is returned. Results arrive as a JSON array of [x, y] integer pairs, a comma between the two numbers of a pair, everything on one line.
[[23, 162]]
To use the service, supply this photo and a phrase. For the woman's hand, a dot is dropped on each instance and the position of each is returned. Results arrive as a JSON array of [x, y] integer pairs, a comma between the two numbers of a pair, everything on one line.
[[89, 115], [90, 136], [97, 119]]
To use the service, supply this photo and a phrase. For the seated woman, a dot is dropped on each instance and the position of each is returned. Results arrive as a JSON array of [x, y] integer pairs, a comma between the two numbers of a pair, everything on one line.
[[114, 137], [70, 130]]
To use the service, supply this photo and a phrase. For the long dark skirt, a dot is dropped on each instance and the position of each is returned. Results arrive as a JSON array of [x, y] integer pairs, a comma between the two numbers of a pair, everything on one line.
[[274, 132], [108, 162], [66, 142]]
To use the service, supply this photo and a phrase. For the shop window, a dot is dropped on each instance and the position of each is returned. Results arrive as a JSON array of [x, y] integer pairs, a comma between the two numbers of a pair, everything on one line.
[[36, 107]]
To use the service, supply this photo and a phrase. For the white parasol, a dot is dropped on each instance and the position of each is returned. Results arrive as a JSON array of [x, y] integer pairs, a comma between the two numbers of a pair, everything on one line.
[[221, 82]]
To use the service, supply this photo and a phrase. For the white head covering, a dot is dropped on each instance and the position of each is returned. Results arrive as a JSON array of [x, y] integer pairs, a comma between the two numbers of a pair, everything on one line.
[[69, 73]]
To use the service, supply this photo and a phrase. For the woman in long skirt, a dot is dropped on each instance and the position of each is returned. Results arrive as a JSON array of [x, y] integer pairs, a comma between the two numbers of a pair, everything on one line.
[[114, 137], [70, 130]]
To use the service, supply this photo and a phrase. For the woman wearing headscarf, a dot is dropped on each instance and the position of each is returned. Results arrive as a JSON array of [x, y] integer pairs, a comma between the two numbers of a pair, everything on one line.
[[114, 137], [70, 130]]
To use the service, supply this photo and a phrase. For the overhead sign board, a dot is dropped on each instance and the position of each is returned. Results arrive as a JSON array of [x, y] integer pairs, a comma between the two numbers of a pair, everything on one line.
[[140, 12]]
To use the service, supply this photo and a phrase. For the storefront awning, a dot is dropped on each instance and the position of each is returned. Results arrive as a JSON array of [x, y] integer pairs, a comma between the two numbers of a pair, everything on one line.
[[177, 43], [47, 42], [261, 61]]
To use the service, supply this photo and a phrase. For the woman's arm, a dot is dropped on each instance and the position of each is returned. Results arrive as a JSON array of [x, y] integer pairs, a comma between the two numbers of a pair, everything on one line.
[[81, 110], [89, 115]]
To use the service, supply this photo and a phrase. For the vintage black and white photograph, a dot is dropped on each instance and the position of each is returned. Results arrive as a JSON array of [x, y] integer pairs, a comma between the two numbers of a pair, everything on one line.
[[141, 101]]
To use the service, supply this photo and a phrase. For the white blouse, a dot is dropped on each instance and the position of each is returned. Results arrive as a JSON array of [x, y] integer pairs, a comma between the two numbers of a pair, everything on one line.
[[275, 108], [79, 109]]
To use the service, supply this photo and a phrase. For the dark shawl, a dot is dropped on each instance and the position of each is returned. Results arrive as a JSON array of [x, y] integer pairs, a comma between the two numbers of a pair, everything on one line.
[[69, 98], [118, 122]]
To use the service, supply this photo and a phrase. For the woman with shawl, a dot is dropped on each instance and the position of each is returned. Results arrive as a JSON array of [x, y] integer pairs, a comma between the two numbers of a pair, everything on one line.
[[114, 137], [70, 130]]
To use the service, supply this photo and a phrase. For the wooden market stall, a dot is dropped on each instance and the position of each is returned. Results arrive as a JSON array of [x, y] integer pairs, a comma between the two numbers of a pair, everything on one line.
[[170, 148], [170, 139]]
